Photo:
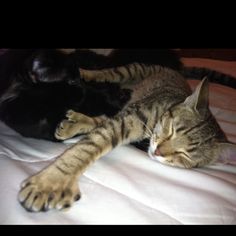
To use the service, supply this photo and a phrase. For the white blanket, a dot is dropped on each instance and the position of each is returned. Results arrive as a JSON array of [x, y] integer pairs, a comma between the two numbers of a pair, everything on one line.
[[126, 186]]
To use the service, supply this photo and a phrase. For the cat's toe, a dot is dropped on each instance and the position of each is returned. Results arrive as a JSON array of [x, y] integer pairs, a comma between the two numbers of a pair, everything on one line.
[[73, 116], [63, 130], [44, 192], [67, 198], [70, 113], [32, 199]]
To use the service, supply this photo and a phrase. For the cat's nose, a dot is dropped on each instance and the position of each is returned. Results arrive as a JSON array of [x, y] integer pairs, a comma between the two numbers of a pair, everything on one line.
[[157, 152]]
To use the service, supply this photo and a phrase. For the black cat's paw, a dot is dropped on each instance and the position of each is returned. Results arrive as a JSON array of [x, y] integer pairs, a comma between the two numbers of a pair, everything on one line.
[[50, 66]]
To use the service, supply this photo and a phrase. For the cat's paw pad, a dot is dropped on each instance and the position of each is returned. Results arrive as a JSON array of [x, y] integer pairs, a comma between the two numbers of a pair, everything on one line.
[[75, 124], [42, 193]]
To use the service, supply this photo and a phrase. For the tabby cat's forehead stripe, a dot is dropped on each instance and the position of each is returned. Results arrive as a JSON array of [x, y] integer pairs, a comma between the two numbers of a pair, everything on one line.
[[194, 144], [141, 116], [192, 149], [150, 106], [171, 114], [195, 127], [170, 109], [143, 119], [156, 117], [198, 126], [207, 139], [167, 138], [181, 128]]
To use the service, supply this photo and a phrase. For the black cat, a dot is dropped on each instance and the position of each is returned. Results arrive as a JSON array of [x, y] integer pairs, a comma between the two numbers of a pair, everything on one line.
[[33, 81]]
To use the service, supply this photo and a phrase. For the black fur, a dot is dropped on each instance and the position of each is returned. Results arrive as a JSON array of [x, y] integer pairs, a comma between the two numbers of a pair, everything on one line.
[[38, 86]]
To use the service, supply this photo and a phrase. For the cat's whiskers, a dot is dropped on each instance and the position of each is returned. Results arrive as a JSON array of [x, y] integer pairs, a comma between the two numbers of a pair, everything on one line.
[[147, 134], [148, 130], [187, 158]]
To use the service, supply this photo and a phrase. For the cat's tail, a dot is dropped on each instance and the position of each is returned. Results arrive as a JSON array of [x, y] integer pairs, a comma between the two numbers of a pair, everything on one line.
[[198, 73]]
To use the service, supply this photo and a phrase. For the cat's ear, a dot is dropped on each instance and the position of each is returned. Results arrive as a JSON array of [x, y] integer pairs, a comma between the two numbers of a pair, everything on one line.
[[199, 100], [227, 153]]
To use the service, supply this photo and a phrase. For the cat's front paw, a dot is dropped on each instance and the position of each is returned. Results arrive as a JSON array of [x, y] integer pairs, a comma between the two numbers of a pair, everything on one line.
[[75, 124], [49, 190]]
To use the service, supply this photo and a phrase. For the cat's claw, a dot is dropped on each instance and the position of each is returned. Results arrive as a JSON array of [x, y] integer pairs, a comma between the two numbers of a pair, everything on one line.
[[46, 191]]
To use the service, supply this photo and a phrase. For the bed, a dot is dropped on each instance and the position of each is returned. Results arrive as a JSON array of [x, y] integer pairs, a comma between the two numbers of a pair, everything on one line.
[[126, 186]]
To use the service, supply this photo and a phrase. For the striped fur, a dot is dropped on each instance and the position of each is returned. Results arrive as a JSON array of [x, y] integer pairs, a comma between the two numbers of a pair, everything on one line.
[[212, 75], [180, 126], [124, 74]]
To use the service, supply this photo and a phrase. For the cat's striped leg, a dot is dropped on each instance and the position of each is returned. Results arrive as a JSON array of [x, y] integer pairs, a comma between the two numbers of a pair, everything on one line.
[[123, 74], [57, 185]]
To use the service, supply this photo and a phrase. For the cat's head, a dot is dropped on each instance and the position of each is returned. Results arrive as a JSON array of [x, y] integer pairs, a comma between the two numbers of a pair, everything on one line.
[[187, 135]]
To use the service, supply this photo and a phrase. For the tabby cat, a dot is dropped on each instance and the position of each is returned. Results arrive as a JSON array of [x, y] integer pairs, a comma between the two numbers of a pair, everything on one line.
[[181, 128]]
